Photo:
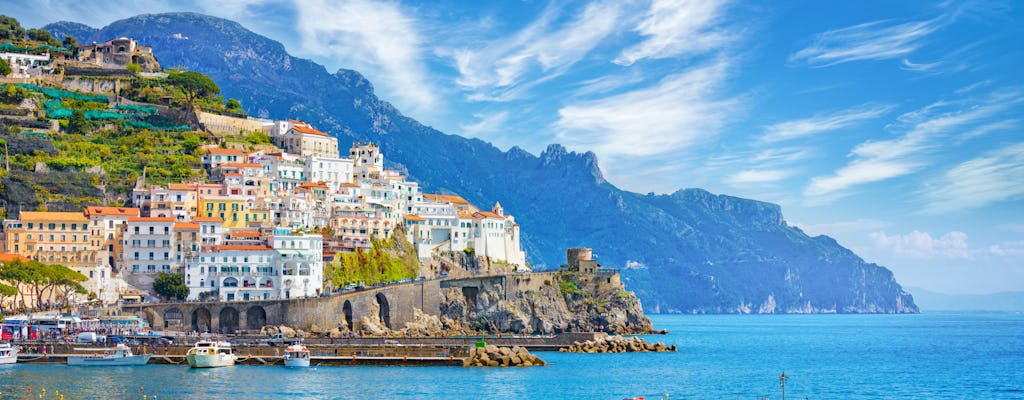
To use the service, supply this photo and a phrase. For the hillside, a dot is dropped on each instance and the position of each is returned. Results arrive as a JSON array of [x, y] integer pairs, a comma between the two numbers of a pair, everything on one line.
[[690, 251]]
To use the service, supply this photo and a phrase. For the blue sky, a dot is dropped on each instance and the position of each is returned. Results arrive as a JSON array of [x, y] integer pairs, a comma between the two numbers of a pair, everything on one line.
[[895, 127]]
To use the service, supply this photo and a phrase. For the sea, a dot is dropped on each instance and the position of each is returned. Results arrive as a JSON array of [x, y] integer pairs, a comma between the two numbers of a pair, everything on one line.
[[924, 356]]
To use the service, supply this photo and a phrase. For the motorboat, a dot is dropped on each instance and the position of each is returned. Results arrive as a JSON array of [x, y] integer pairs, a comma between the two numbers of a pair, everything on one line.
[[8, 354], [211, 354], [296, 356], [120, 355]]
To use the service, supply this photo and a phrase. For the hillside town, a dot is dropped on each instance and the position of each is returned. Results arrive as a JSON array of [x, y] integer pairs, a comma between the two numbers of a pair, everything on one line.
[[256, 223]]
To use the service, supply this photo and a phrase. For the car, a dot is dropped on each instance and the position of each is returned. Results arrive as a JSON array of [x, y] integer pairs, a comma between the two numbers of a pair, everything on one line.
[[279, 339]]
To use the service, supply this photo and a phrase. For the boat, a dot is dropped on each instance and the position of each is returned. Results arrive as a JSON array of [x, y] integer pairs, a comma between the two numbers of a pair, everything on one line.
[[120, 355], [210, 354], [8, 354], [296, 355]]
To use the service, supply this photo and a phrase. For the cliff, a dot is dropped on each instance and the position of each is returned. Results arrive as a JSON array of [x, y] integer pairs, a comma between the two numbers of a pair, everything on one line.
[[685, 252]]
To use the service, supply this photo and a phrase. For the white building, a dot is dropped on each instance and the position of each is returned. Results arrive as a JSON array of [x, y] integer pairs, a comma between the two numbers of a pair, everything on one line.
[[27, 65], [367, 159], [300, 258], [233, 272], [148, 245], [332, 171]]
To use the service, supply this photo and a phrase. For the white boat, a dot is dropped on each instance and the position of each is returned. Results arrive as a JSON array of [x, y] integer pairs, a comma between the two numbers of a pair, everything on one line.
[[8, 354], [209, 354], [114, 356], [296, 355]]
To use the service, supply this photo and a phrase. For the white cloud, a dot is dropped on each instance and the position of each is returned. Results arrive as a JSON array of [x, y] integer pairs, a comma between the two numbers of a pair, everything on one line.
[[878, 40], [491, 123], [919, 67], [986, 129], [673, 114], [752, 176], [1012, 249], [924, 132], [823, 123], [842, 227], [494, 71], [992, 178], [376, 38], [919, 244], [678, 27]]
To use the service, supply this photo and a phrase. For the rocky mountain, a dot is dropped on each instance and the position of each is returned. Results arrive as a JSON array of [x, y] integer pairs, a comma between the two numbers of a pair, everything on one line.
[[686, 252]]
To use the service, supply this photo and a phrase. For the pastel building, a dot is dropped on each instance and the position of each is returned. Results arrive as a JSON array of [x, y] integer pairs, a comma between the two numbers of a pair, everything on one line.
[[149, 246]]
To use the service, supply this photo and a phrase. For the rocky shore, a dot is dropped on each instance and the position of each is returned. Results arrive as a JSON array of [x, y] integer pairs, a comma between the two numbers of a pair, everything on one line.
[[494, 356], [616, 344]]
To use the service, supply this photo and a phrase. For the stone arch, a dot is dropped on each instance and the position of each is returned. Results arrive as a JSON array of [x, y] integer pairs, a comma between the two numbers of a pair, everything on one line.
[[228, 320], [385, 310], [173, 318], [201, 320], [346, 310], [255, 317], [151, 317]]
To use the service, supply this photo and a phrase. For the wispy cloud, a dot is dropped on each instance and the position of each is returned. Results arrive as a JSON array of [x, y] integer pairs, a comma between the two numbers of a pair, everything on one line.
[[878, 40], [753, 176], [492, 72], [923, 129], [674, 28], [488, 123], [992, 178], [377, 38], [673, 114], [823, 123], [919, 244]]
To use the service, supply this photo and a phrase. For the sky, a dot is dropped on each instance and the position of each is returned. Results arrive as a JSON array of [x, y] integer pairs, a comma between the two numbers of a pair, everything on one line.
[[896, 127]]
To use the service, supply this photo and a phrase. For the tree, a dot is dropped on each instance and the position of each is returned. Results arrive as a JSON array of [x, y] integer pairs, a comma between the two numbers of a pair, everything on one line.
[[5, 68], [133, 68], [10, 28], [193, 85], [78, 123], [233, 104], [40, 35], [70, 43], [57, 280], [170, 286]]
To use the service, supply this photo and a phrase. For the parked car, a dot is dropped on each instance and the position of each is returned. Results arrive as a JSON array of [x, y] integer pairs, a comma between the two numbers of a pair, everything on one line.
[[279, 339], [90, 337]]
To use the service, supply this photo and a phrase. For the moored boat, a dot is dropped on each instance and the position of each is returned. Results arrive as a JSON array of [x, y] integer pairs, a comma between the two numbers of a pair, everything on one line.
[[296, 356], [210, 354], [8, 354], [114, 356]]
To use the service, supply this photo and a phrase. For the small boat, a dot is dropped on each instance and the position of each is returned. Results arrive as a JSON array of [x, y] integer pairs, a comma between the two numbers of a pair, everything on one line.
[[8, 354], [296, 355], [114, 356], [210, 354]]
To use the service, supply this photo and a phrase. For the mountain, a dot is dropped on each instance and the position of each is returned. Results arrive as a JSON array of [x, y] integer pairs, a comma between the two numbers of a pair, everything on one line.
[[688, 252], [932, 301]]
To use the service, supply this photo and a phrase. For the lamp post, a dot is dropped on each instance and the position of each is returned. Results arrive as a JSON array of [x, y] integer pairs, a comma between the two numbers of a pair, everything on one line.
[[782, 382]]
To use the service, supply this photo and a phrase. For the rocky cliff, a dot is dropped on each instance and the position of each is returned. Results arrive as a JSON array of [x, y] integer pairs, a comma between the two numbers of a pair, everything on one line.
[[686, 252]]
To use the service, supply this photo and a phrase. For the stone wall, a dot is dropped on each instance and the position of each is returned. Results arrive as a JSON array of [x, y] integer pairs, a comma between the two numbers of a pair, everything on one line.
[[233, 125]]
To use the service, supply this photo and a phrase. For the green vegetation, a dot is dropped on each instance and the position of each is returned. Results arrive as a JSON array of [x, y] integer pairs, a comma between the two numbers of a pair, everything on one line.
[[10, 28], [40, 35], [40, 279], [376, 265], [193, 86], [5, 68], [170, 286], [133, 68]]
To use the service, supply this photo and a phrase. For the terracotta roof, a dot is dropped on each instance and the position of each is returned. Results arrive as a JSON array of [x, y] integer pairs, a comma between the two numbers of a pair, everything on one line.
[[245, 234], [232, 174], [180, 186], [413, 217], [150, 219], [321, 185], [349, 184], [228, 152], [7, 257], [488, 214], [207, 219], [454, 199], [53, 216], [186, 225], [243, 247], [120, 211], [306, 129], [465, 214]]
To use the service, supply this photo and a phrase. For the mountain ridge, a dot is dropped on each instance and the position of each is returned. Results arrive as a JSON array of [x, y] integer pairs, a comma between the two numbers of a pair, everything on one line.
[[689, 251]]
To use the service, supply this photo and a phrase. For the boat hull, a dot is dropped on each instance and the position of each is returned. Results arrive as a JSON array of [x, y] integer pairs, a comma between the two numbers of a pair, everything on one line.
[[11, 359], [210, 360], [108, 361], [296, 362]]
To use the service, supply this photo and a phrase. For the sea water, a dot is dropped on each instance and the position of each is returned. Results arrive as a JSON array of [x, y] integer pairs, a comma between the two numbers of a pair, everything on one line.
[[926, 356]]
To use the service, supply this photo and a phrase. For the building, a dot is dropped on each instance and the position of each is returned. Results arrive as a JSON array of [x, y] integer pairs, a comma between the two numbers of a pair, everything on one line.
[[107, 224], [149, 246], [301, 138], [118, 53], [215, 156], [52, 237], [233, 272], [367, 160], [27, 65]]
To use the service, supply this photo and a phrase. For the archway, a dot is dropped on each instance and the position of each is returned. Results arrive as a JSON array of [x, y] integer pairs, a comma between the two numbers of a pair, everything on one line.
[[255, 317], [150, 316], [173, 319], [228, 320], [385, 310], [346, 309], [201, 320]]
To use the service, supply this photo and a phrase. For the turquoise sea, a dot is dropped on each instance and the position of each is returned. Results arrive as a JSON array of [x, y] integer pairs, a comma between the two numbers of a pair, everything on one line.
[[926, 356]]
